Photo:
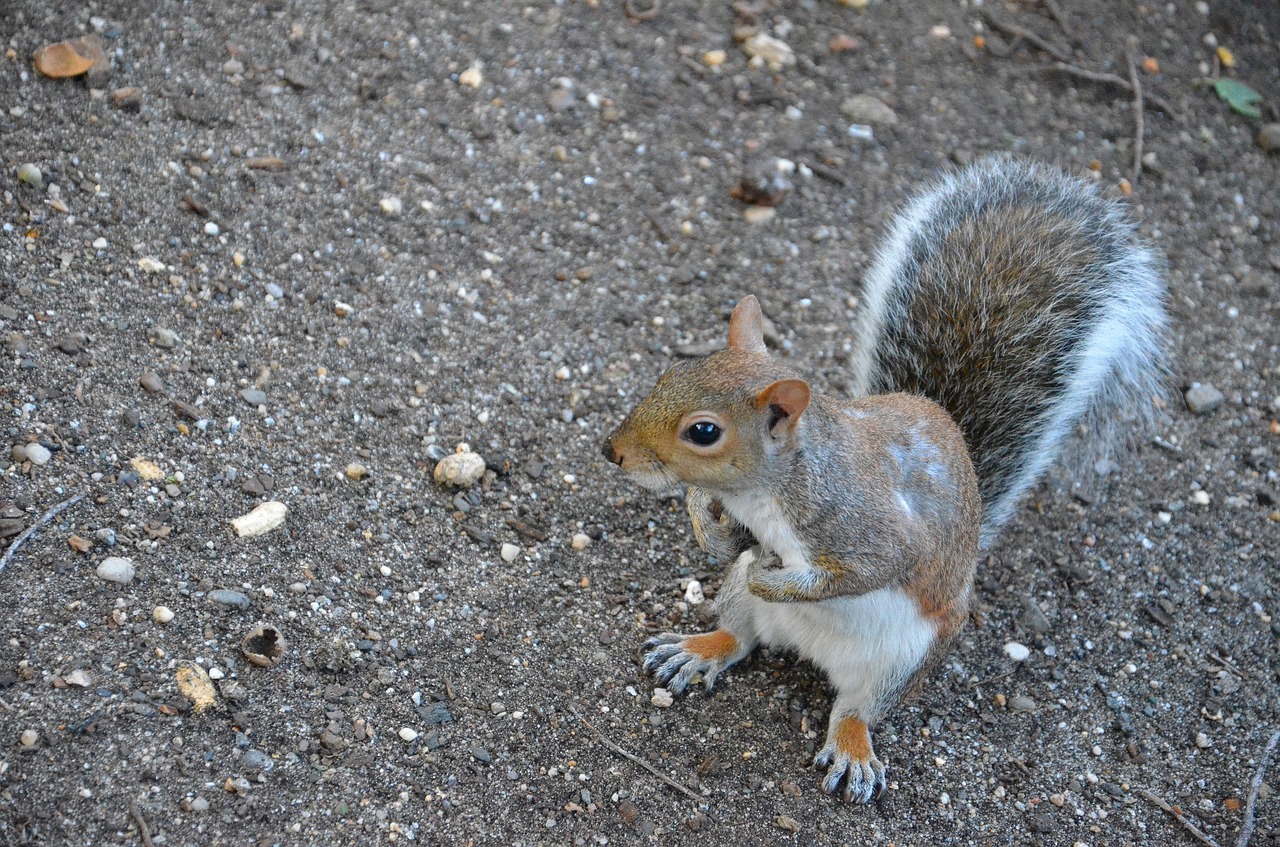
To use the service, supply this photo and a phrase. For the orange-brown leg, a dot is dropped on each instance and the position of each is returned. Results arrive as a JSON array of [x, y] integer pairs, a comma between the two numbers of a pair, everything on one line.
[[853, 771], [674, 659]]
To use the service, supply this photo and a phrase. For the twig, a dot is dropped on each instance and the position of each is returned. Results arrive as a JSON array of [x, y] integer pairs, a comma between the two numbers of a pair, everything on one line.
[[1246, 832], [48, 516], [142, 823], [1059, 17], [629, 6], [639, 761], [1177, 815], [1226, 664], [1138, 128], [1111, 79], [1015, 31]]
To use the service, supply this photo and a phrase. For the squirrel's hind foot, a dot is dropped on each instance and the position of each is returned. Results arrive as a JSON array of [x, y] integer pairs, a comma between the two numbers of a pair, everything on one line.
[[674, 659], [853, 771]]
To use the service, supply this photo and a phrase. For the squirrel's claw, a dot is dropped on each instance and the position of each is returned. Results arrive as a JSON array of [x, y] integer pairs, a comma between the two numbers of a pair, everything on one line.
[[855, 779], [674, 660]]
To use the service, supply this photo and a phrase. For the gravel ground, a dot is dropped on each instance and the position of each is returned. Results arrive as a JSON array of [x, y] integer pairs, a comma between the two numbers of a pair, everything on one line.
[[319, 245]]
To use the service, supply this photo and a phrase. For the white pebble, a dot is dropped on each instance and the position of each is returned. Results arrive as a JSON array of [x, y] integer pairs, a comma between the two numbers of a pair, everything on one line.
[[1202, 741], [38, 453], [693, 593], [509, 552], [99, 243], [1201, 498], [1017, 652], [563, 373], [162, 614], [408, 734], [29, 737], [266, 517], [116, 569], [472, 76], [662, 698], [391, 206], [341, 309], [216, 673], [580, 541], [461, 469], [211, 228]]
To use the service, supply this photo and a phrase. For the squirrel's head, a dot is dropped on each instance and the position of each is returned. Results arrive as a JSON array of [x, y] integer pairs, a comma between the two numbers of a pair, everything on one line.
[[713, 422]]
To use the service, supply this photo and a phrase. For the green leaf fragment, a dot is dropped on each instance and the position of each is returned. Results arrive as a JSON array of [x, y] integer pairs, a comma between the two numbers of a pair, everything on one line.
[[1239, 97]]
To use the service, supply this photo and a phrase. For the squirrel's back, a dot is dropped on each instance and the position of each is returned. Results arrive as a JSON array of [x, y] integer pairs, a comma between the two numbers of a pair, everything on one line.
[[1024, 304]]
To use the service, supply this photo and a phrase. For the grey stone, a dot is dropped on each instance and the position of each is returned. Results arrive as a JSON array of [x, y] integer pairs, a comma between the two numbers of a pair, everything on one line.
[[1203, 398], [227, 597]]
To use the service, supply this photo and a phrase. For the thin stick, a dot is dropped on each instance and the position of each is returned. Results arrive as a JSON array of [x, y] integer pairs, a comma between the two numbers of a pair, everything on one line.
[[639, 761], [48, 516], [142, 823], [1055, 12], [1111, 79], [1177, 815], [1138, 128], [1246, 832], [1015, 31]]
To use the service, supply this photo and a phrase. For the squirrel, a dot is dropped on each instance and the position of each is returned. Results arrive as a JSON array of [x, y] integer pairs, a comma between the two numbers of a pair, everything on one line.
[[1009, 305]]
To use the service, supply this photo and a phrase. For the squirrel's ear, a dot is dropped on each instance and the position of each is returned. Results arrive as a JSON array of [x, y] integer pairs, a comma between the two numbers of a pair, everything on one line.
[[746, 327], [785, 401]]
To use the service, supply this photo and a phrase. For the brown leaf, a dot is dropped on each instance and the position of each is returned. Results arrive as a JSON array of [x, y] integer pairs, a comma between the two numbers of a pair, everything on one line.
[[80, 545], [61, 61]]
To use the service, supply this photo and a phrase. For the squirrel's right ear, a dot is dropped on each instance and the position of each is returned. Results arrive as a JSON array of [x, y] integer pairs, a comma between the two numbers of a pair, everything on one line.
[[786, 401], [746, 327]]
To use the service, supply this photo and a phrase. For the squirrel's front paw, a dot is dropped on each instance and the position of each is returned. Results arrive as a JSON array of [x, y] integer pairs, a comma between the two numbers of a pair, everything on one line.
[[674, 659], [718, 534], [853, 771]]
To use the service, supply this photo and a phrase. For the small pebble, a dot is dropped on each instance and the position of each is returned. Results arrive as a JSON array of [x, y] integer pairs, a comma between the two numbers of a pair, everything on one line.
[[227, 597], [341, 309], [1203, 398], [1269, 138], [693, 593], [472, 76], [38, 454], [510, 552], [116, 569], [253, 396], [1202, 741], [211, 228], [162, 614], [865, 109], [408, 734], [356, 471], [29, 737], [1201, 498], [1022, 703], [151, 382], [199, 804], [460, 469], [30, 174], [580, 541], [662, 698], [216, 673], [1017, 652], [391, 206]]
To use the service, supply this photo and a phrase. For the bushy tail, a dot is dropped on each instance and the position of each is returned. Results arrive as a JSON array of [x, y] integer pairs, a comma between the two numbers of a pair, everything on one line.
[[1025, 305]]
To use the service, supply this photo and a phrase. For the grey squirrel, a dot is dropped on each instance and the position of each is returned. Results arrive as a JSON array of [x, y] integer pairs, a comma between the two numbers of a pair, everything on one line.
[[1009, 305]]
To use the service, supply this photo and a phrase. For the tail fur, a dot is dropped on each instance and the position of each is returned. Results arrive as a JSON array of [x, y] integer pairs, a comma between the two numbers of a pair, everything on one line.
[[1024, 304]]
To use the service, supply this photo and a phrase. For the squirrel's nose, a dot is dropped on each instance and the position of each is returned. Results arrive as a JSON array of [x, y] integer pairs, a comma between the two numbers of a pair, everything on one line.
[[609, 453]]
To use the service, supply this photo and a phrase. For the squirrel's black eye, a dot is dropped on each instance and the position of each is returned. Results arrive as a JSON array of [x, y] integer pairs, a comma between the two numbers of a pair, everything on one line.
[[703, 433]]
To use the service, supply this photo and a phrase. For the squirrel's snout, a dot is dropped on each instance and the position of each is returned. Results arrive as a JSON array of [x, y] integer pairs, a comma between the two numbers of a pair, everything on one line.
[[609, 453]]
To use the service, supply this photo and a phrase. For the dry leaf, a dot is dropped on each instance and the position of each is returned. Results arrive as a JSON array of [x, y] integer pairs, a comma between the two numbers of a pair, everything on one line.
[[79, 544], [195, 685], [61, 61]]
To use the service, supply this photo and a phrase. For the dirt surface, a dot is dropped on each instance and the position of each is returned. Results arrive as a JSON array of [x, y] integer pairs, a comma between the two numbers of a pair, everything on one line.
[[559, 231]]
